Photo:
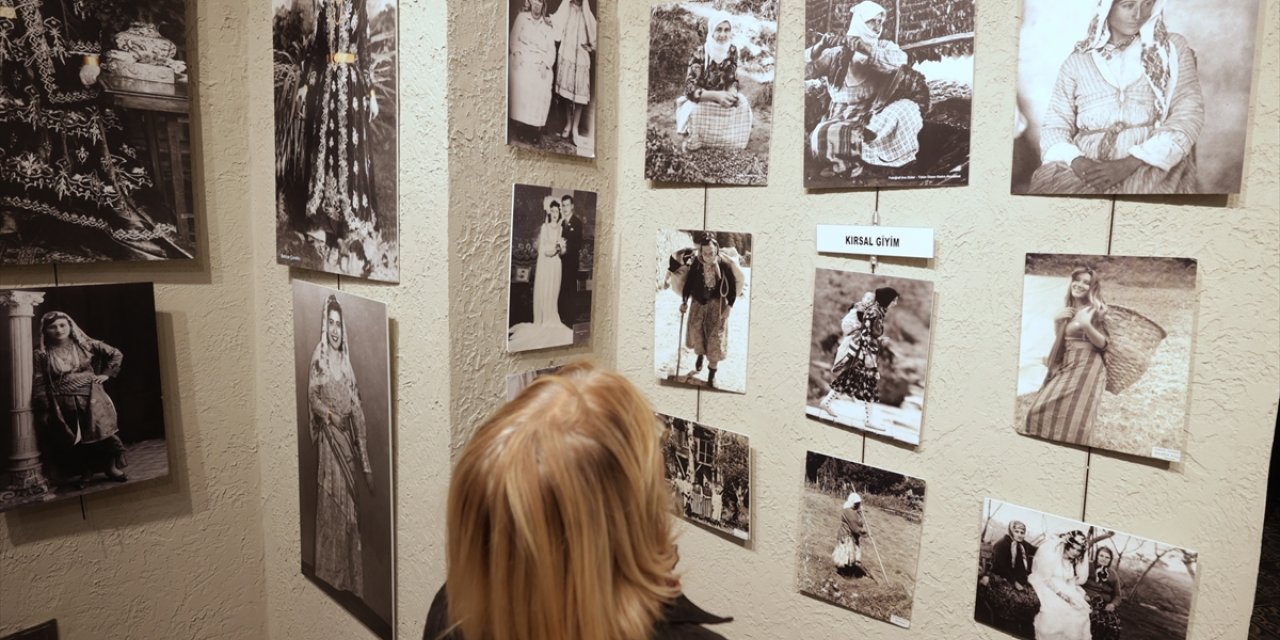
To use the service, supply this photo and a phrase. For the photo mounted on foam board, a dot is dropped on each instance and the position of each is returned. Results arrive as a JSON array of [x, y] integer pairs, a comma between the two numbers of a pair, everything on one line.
[[1105, 356], [551, 75], [86, 412], [869, 352], [709, 471], [859, 544], [95, 132], [336, 114], [553, 251], [346, 496], [516, 382], [711, 78], [1123, 97], [888, 93], [702, 291], [45, 631], [1046, 576]]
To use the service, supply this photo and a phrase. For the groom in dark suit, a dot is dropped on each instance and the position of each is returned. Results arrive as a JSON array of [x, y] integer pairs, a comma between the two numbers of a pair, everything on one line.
[[572, 230]]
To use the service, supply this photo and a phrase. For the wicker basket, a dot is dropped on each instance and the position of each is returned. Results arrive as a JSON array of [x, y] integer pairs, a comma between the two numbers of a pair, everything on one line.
[[1132, 340]]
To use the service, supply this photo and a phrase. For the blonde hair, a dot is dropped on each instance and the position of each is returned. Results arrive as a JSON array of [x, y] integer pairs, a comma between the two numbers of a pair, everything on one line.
[[559, 517]]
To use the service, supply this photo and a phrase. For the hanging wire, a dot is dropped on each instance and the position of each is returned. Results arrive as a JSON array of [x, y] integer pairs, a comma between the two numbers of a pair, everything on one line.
[[1088, 459]]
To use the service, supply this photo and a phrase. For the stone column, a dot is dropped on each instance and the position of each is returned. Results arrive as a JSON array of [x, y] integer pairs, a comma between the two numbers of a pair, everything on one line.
[[23, 468]]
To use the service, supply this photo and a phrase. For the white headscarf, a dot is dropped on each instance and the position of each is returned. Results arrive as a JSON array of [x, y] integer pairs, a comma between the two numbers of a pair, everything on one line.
[[717, 52], [1158, 54], [862, 12], [853, 498]]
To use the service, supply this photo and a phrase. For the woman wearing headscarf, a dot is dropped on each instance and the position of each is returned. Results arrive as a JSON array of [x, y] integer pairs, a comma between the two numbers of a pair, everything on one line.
[[713, 286], [1057, 572], [1066, 406], [1127, 109], [532, 52], [73, 184], [857, 363], [853, 524], [711, 112], [68, 395], [342, 456], [574, 27], [1103, 590], [877, 100], [547, 328]]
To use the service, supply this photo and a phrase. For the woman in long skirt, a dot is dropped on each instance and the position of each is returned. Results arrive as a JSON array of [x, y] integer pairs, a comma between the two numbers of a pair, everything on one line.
[[532, 52], [857, 364], [575, 29], [1066, 406]]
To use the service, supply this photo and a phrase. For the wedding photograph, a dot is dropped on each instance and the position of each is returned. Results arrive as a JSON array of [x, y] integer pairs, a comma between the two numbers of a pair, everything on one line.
[[711, 72], [516, 382], [709, 471], [859, 542], [335, 71], [342, 369], [85, 410], [1105, 355], [888, 93], [869, 352], [95, 132], [701, 308], [1042, 576], [553, 243], [551, 75], [1120, 97]]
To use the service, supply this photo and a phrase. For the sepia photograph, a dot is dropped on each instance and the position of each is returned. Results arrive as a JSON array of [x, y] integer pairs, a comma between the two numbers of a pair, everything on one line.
[[95, 140], [701, 308], [551, 75], [516, 382], [335, 82], [345, 504], [553, 247], [859, 543], [711, 67], [1133, 97], [85, 407], [1105, 357], [869, 352], [888, 93], [709, 471], [1045, 577]]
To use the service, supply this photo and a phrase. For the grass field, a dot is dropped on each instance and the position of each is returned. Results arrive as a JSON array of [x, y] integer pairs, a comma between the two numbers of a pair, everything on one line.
[[874, 594]]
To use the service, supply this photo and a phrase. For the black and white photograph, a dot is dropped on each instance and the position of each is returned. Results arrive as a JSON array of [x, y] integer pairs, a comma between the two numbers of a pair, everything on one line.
[[709, 471], [553, 248], [1045, 577], [1105, 356], [516, 382], [345, 504], [95, 141], [551, 75], [1133, 97], [701, 310], [888, 93], [859, 542], [710, 114], [336, 111], [85, 409], [869, 352], [44, 631]]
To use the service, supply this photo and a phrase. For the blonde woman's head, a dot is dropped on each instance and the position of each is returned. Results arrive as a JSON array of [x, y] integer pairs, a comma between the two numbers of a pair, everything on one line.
[[559, 517]]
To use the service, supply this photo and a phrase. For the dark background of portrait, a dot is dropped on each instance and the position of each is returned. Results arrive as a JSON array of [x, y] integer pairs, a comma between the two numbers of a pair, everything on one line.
[[123, 316], [1223, 36], [367, 331], [527, 216]]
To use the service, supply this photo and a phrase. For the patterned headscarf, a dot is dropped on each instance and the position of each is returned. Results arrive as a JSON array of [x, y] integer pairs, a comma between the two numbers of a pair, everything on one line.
[[1158, 54], [77, 336]]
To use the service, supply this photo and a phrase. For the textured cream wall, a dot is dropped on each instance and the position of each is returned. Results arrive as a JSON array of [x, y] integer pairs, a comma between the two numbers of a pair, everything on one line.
[[180, 557], [1212, 502]]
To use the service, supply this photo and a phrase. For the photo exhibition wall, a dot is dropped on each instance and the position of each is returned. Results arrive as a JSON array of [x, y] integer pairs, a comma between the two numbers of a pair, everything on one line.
[[892, 275]]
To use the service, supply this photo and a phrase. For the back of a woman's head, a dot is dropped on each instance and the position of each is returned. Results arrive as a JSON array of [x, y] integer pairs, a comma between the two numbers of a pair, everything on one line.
[[559, 517]]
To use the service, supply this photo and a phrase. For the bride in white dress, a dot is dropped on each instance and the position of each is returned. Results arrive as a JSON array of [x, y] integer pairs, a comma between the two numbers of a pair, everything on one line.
[[1057, 572], [546, 330]]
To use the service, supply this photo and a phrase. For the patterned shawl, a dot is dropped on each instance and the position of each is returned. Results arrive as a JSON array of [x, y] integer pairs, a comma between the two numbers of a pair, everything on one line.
[[1158, 54]]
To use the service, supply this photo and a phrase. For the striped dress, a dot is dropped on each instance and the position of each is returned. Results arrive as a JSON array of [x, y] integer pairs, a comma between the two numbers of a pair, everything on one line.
[[1104, 109], [1067, 405]]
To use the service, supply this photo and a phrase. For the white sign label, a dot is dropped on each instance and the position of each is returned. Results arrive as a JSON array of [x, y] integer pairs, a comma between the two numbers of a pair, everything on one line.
[[901, 242], [1161, 453], [900, 621]]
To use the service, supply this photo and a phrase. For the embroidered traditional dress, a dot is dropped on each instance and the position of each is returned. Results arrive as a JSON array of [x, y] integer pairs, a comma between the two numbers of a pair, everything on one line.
[[342, 457], [574, 25], [712, 289], [1103, 589], [74, 189], [710, 124], [857, 369], [532, 52]]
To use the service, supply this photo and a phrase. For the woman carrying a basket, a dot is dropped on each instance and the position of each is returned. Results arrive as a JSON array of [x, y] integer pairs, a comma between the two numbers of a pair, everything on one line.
[[1067, 405]]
